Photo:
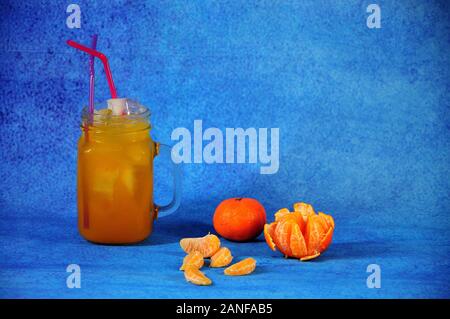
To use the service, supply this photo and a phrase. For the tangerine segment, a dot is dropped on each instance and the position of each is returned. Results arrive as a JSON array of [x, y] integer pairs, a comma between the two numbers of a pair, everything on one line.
[[306, 258], [221, 258], [244, 267], [297, 218], [298, 244], [194, 259], [207, 245], [314, 234], [281, 213], [330, 220], [269, 230], [305, 209], [194, 275], [323, 222], [326, 239], [283, 236]]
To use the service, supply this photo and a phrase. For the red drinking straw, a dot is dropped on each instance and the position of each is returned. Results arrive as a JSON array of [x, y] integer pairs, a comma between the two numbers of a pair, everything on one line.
[[104, 60]]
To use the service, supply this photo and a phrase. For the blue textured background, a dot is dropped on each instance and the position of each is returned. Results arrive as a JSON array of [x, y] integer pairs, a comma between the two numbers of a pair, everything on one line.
[[364, 122]]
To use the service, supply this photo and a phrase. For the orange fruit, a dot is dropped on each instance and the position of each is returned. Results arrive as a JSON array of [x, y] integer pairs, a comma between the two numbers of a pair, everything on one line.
[[244, 267], [221, 258], [239, 219], [207, 245], [194, 259], [195, 276]]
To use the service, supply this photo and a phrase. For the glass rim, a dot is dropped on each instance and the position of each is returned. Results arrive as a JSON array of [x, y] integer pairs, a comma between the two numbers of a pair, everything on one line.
[[96, 120], [135, 108], [85, 113]]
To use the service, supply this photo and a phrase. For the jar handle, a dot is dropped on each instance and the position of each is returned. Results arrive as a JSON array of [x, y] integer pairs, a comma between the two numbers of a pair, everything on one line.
[[166, 210]]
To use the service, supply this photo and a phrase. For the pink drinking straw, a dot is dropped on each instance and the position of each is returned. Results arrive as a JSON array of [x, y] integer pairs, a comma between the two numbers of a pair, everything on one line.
[[91, 112], [104, 60], [92, 76], [91, 87]]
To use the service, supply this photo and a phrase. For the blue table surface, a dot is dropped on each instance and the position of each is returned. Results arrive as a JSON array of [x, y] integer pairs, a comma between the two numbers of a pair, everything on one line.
[[35, 253]]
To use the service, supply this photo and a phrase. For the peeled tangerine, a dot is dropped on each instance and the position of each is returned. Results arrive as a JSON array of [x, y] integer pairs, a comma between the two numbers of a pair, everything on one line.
[[207, 245], [301, 234]]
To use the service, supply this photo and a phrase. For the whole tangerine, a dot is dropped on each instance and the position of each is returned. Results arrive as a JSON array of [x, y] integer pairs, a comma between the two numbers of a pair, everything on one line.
[[239, 219]]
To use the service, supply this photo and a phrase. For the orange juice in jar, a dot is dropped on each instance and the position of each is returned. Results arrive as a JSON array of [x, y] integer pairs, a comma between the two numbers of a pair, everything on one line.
[[115, 175]]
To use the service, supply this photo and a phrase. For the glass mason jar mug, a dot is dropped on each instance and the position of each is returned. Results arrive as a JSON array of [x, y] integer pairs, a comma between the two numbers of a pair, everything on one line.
[[115, 175]]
